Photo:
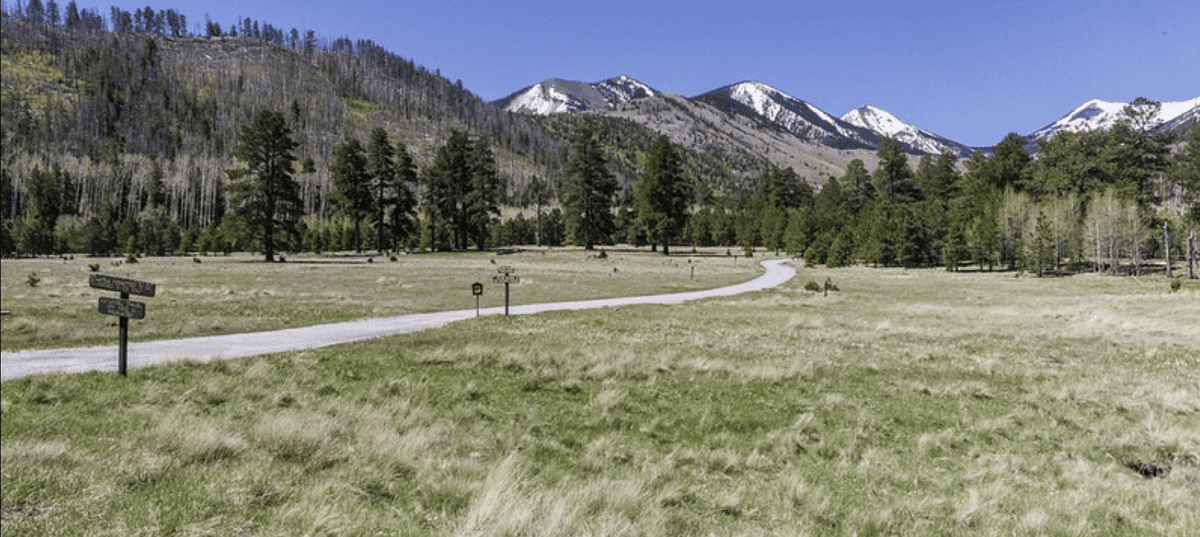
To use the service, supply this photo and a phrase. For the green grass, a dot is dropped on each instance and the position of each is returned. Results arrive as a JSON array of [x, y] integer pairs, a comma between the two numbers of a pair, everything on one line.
[[908, 403], [239, 293]]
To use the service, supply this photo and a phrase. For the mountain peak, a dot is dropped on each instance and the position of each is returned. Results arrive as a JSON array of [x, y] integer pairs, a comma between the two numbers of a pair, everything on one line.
[[788, 113], [1098, 114], [887, 124], [558, 96]]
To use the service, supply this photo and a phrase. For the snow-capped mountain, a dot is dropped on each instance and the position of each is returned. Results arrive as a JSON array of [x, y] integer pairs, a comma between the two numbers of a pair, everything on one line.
[[1097, 114], [789, 113], [557, 96], [916, 138]]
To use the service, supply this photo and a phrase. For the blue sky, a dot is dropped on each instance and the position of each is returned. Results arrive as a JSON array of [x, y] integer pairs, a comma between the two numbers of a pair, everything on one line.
[[971, 71]]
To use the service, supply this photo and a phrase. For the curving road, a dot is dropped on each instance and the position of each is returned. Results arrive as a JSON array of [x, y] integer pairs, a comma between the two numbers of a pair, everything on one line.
[[76, 360]]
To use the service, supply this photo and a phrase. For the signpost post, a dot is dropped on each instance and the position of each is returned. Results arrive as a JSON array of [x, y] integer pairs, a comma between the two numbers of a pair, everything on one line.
[[123, 308], [506, 277], [477, 289]]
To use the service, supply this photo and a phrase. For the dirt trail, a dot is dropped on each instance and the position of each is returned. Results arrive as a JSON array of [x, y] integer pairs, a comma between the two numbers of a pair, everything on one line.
[[75, 360]]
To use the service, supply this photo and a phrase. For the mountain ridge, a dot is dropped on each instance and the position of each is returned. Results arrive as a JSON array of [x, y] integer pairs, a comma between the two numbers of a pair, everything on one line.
[[861, 128]]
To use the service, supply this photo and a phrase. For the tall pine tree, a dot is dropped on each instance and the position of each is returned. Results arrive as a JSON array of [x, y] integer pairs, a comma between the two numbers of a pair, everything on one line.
[[264, 194], [661, 195], [588, 191]]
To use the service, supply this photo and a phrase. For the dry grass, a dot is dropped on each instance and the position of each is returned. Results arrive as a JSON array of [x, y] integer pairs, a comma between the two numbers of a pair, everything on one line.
[[238, 293], [910, 403]]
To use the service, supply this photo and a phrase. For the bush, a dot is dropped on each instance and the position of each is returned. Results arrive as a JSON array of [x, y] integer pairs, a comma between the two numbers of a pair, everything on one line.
[[603, 254], [813, 286], [1176, 284], [32, 279]]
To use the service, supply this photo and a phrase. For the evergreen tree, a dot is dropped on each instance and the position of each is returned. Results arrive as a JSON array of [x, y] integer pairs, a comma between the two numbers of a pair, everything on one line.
[[856, 186], [661, 195], [795, 236], [976, 208], [72, 19], [381, 176], [352, 186], [264, 194], [588, 189], [935, 178], [785, 189], [448, 182], [403, 226], [894, 178], [1009, 164], [482, 198]]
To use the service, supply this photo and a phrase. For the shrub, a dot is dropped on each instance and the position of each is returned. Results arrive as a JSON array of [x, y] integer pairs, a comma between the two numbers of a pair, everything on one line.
[[603, 254], [32, 279], [94, 267], [813, 286], [829, 286], [1176, 284]]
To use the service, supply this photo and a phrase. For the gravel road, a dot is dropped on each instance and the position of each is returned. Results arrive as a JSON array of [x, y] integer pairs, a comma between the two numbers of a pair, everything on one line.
[[33, 362]]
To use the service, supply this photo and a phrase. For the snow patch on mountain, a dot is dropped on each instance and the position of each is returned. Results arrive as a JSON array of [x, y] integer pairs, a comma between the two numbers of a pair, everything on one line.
[[557, 96], [916, 138], [791, 114], [1098, 115]]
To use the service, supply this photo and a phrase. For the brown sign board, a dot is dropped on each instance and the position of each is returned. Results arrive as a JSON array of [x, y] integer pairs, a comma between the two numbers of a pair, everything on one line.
[[506, 270], [121, 285], [122, 308], [506, 278]]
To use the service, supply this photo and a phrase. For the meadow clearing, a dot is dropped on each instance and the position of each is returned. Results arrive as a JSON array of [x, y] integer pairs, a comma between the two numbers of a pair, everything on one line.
[[909, 402], [239, 293]]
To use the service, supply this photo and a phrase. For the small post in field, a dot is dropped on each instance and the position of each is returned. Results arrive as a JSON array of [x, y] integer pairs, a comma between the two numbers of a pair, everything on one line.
[[122, 307], [477, 289], [506, 277]]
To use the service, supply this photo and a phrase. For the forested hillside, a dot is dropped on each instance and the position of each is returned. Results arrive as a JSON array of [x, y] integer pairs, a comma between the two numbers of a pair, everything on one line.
[[118, 119]]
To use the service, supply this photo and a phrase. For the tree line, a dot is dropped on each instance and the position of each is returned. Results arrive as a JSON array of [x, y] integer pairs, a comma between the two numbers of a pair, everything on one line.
[[1099, 200], [120, 118]]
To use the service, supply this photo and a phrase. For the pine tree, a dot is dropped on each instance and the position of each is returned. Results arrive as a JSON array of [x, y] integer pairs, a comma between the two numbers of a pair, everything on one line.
[[894, 178], [483, 195], [264, 194], [588, 191], [351, 186], [381, 173], [404, 202], [661, 195], [447, 183]]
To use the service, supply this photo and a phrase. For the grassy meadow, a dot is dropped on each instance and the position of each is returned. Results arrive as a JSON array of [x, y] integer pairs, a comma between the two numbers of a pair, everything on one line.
[[906, 403], [240, 293]]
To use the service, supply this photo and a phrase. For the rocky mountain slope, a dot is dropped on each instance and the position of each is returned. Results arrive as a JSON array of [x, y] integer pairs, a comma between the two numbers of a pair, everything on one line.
[[754, 117]]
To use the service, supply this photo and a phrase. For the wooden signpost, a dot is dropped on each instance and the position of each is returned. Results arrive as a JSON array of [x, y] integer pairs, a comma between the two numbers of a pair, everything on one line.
[[122, 307], [477, 289], [506, 277]]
